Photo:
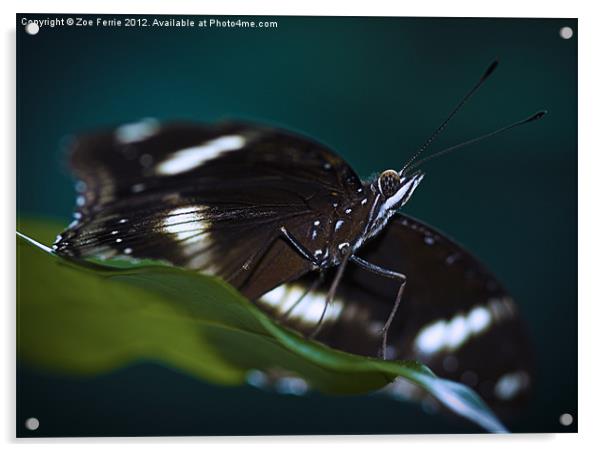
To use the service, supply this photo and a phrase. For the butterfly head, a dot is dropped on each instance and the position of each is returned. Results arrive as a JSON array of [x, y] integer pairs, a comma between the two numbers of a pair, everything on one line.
[[396, 188], [392, 189]]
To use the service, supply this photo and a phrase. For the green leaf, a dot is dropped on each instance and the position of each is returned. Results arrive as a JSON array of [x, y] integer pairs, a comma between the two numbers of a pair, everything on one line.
[[90, 318]]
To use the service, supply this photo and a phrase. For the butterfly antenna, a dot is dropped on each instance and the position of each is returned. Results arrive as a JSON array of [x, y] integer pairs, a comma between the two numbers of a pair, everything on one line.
[[439, 129], [534, 117], [35, 242]]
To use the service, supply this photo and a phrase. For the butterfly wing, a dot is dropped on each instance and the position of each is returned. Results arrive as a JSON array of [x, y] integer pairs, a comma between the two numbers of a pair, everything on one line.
[[207, 197], [455, 316]]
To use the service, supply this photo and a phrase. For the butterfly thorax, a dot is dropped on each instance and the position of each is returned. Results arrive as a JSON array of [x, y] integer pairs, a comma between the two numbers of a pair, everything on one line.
[[362, 217], [343, 229]]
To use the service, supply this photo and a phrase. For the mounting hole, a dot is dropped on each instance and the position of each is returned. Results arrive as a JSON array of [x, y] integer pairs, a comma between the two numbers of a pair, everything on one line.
[[32, 28], [566, 32], [566, 419], [32, 423]]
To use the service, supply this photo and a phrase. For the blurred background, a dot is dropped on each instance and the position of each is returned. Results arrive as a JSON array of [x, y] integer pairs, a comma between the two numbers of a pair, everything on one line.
[[373, 89]]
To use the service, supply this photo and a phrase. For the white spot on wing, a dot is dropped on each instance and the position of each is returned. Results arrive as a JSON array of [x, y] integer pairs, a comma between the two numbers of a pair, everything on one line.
[[338, 225], [308, 310], [189, 158], [478, 319], [449, 260], [137, 188], [191, 229], [431, 338], [457, 332], [80, 186], [501, 308], [449, 335], [292, 385], [186, 223], [257, 378], [275, 296], [138, 131], [510, 385], [403, 389]]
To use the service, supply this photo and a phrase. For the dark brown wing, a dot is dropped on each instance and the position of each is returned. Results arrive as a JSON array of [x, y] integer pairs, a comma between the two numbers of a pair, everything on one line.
[[207, 197], [455, 316]]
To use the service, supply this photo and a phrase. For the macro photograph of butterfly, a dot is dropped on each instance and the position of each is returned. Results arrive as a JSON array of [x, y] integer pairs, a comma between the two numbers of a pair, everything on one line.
[[226, 229]]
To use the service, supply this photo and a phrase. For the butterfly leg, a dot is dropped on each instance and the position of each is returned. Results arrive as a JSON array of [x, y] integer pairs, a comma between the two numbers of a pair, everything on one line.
[[314, 285], [387, 274], [331, 292], [304, 252], [292, 241]]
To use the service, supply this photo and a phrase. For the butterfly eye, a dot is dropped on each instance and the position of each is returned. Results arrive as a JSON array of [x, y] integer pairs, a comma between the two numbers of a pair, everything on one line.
[[388, 183]]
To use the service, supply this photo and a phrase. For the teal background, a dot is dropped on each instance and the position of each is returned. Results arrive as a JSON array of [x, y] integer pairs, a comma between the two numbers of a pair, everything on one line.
[[373, 89]]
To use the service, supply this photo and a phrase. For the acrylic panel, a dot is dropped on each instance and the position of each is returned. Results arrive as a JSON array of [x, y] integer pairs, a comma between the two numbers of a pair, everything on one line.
[[295, 225]]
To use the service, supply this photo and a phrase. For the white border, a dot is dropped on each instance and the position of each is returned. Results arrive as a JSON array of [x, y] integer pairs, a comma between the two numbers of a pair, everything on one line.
[[590, 227]]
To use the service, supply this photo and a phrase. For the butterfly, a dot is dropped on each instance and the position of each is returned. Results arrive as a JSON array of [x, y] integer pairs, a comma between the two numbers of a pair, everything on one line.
[[288, 222]]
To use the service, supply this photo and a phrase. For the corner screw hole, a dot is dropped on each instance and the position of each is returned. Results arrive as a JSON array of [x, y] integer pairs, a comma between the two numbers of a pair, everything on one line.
[[32, 28], [566, 419], [566, 32], [32, 423]]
